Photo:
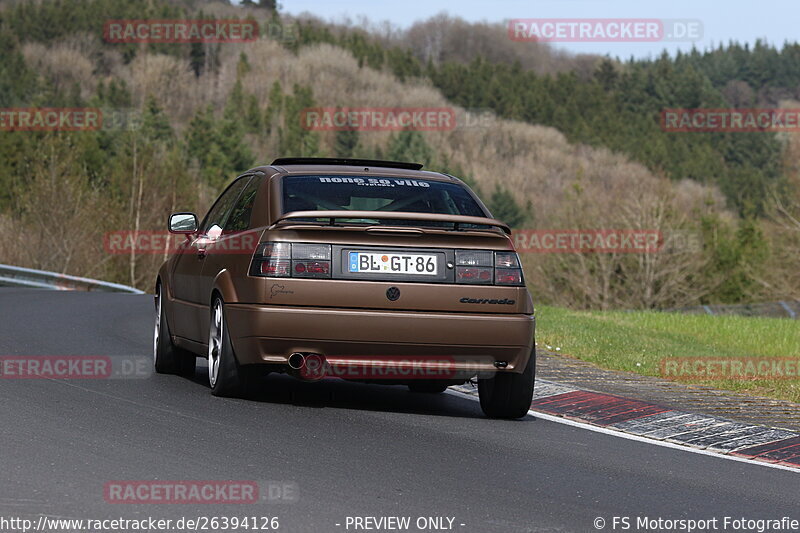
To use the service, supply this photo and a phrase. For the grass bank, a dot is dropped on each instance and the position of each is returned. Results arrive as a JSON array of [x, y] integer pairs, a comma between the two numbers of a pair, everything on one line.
[[644, 342]]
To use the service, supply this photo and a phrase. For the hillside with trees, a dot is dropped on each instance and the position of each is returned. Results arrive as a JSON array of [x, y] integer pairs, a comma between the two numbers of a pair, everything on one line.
[[550, 141]]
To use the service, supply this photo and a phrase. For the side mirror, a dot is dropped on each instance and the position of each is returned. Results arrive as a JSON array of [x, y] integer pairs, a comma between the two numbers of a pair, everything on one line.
[[183, 223]]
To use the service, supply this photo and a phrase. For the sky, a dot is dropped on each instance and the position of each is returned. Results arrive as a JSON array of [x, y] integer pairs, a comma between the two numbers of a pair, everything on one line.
[[775, 21]]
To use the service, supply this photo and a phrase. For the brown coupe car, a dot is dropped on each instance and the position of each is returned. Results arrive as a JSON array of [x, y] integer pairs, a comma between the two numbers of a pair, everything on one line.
[[366, 270]]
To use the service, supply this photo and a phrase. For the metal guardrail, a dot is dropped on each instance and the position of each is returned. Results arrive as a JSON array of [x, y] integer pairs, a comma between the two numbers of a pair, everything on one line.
[[29, 277]]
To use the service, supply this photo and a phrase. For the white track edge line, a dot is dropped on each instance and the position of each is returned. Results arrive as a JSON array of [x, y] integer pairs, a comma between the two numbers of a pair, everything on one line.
[[637, 438]]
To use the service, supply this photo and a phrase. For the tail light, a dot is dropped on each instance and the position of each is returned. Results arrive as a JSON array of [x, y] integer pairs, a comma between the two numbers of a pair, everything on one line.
[[298, 260], [506, 260], [311, 269], [272, 259], [306, 260], [507, 269], [476, 275], [484, 267], [474, 267], [508, 276]]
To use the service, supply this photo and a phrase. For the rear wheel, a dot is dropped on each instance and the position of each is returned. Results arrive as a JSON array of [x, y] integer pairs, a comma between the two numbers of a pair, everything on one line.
[[428, 386], [225, 376], [508, 395], [168, 358]]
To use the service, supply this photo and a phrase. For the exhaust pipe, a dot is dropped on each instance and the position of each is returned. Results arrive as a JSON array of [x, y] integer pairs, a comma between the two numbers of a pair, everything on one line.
[[308, 366], [297, 361]]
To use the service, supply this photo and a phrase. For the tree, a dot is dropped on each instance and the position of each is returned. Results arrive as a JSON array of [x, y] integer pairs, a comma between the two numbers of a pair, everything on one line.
[[243, 66], [155, 124], [503, 207], [274, 106], [296, 139], [218, 146], [345, 142], [409, 146], [606, 75]]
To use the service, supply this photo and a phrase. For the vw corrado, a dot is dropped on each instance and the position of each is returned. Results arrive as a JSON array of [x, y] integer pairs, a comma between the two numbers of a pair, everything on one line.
[[366, 270]]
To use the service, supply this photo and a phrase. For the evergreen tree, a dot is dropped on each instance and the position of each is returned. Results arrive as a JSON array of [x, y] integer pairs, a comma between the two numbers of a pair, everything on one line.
[[504, 207], [345, 142], [155, 124], [274, 106], [218, 146], [409, 146], [296, 139]]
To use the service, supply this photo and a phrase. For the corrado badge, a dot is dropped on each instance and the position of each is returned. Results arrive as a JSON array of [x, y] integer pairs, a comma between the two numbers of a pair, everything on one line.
[[506, 301]]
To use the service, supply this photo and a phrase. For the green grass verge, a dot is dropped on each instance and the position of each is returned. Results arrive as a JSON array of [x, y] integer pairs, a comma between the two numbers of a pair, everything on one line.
[[639, 341]]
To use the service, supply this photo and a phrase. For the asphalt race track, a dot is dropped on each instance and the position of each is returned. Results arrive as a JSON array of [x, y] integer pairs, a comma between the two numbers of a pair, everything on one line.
[[349, 450]]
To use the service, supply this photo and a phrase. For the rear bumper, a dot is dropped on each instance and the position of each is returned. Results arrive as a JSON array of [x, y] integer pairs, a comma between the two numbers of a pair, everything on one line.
[[269, 334]]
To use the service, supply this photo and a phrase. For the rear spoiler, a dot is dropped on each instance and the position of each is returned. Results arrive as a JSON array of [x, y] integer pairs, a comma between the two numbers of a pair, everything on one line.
[[331, 216]]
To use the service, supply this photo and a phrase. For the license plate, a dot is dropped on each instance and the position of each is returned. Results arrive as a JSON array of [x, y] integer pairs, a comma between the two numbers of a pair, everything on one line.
[[394, 263]]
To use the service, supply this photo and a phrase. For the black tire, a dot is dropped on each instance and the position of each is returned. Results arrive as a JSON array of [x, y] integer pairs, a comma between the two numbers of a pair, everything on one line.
[[428, 386], [231, 380], [508, 395], [168, 358]]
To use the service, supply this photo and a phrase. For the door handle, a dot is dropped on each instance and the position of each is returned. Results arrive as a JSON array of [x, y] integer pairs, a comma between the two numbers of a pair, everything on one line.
[[201, 244]]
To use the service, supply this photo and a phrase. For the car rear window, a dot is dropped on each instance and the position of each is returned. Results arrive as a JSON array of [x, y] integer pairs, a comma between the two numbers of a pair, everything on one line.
[[376, 193]]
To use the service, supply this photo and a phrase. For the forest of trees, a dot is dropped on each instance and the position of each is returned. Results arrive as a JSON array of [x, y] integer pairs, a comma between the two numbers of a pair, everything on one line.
[[619, 104], [199, 113]]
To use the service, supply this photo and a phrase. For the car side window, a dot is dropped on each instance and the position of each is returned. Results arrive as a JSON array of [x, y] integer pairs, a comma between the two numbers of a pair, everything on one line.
[[215, 219], [239, 219]]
